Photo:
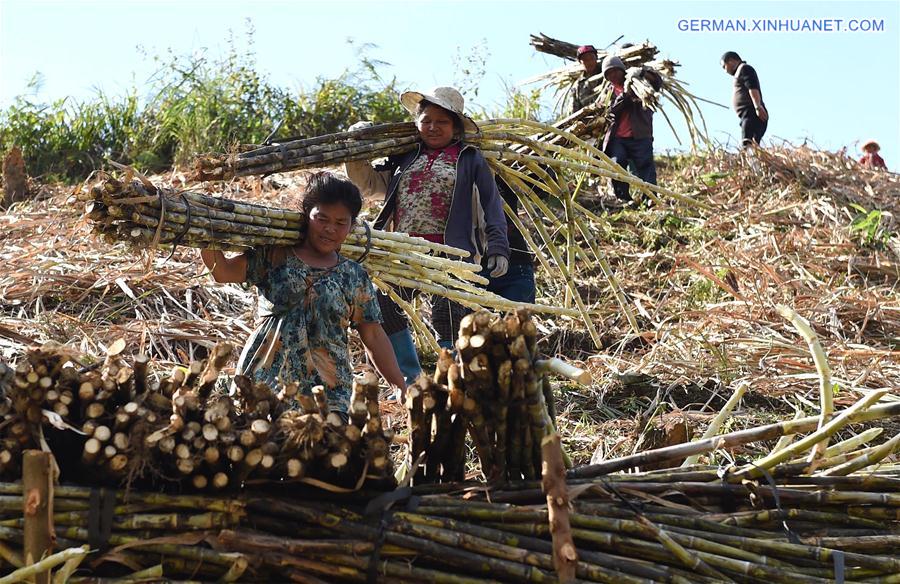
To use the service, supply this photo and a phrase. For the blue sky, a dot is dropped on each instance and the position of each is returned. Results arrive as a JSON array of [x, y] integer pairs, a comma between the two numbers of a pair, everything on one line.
[[834, 89]]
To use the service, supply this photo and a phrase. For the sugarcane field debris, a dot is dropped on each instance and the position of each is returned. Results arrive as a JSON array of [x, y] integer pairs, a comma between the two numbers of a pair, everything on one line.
[[704, 390]]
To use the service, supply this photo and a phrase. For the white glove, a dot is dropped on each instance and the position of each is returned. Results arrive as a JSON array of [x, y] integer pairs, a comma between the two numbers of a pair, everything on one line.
[[361, 125], [498, 265]]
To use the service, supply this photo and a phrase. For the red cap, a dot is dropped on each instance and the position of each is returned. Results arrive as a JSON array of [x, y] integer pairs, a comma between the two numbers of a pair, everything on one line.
[[584, 49]]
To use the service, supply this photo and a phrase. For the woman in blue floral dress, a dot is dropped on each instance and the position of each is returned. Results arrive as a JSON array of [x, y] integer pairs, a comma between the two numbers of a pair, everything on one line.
[[308, 297]]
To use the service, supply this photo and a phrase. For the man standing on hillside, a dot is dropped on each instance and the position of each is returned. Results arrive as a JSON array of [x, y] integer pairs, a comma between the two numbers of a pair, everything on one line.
[[583, 92], [747, 100]]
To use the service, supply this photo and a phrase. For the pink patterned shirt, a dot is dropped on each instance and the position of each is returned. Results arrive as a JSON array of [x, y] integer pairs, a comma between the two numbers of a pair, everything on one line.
[[425, 192]]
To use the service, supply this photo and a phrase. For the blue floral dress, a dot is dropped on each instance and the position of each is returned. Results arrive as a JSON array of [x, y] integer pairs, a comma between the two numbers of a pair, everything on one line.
[[305, 313]]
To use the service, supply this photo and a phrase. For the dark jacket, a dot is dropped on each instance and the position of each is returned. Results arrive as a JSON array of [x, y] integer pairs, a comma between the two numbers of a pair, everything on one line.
[[519, 252], [583, 92], [641, 117], [475, 223]]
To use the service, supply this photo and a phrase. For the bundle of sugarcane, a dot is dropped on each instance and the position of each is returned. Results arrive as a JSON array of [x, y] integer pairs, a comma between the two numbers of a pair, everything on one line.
[[144, 215], [632, 55], [196, 442], [535, 159], [180, 428], [503, 139], [47, 390], [363, 144], [159, 534], [497, 390], [637, 58]]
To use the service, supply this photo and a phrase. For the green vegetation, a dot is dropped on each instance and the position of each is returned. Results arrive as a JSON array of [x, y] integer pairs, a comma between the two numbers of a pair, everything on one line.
[[199, 103], [195, 103], [868, 226]]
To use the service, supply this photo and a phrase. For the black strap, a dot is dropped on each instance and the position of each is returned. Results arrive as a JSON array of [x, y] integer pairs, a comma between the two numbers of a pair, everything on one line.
[[271, 136], [838, 557], [100, 518], [792, 537], [383, 524], [383, 504], [187, 226], [634, 508], [365, 253]]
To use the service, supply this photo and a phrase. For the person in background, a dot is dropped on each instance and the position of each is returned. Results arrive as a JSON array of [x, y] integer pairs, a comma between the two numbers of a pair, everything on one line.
[[629, 138], [583, 92], [308, 297], [747, 99], [870, 158], [442, 191]]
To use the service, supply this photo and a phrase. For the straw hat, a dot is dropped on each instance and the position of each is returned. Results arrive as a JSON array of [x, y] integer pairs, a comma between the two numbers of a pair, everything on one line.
[[446, 97], [871, 143]]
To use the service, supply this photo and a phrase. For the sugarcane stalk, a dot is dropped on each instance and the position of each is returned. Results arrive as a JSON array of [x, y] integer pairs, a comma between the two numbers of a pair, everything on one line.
[[563, 369], [865, 460], [30, 571], [720, 418], [826, 390], [852, 443], [565, 556], [828, 429], [766, 432]]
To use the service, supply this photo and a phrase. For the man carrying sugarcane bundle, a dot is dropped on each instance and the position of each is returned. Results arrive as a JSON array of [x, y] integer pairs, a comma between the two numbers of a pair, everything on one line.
[[629, 138], [583, 93]]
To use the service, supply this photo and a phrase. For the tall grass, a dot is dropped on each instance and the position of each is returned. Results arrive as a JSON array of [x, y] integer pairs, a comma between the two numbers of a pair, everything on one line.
[[194, 103]]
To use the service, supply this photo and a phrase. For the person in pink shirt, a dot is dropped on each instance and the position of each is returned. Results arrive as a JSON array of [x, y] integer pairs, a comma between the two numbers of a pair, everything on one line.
[[871, 159], [629, 139]]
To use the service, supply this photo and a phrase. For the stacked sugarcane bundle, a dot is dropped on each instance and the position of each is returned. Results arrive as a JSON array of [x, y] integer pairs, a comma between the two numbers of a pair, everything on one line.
[[144, 215], [119, 424], [101, 404], [195, 443], [159, 534], [363, 144], [496, 389], [762, 522], [637, 59]]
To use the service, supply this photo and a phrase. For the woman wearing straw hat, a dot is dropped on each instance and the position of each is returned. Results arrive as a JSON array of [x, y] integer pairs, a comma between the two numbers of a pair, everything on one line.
[[871, 159], [442, 191]]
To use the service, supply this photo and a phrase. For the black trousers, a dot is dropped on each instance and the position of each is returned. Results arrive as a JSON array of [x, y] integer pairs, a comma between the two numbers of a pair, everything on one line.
[[636, 155], [752, 129]]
